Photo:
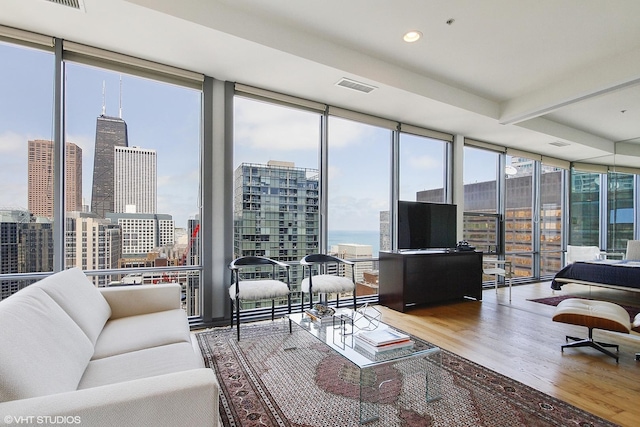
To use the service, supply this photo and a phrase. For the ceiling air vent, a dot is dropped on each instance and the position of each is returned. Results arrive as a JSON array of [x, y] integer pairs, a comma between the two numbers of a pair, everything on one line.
[[352, 84], [559, 143], [74, 4]]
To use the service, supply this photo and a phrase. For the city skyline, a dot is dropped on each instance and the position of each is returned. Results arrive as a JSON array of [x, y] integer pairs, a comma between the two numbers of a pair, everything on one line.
[[160, 116], [166, 118]]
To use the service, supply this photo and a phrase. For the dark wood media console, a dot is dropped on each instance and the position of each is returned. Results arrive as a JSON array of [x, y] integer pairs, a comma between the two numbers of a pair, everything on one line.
[[410, 278]]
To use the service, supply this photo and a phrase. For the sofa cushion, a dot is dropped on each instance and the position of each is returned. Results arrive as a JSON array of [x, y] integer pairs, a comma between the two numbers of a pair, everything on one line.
[[82, 301], [43, 350], [139, 364], [138, 332], [133, 300]]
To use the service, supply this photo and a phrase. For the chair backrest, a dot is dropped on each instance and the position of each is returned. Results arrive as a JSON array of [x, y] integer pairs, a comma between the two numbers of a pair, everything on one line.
[[582, 253], [321, 261], [633, 249], [256, 261]]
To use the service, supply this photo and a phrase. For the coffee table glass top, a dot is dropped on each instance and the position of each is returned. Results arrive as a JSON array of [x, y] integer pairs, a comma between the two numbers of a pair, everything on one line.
[[340, 331]]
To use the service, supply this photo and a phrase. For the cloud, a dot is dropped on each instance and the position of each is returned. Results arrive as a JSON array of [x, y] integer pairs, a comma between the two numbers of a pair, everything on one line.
[[355, 213], [344, 133], [12, 144], [265, 126], [425, 162], [13, 170]]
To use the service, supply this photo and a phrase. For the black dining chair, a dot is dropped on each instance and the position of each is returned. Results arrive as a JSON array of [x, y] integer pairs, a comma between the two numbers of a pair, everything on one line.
[[256, 278], [326, 274]]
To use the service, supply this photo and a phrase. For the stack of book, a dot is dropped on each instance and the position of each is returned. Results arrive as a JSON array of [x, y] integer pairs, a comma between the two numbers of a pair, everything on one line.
[[381, 340]]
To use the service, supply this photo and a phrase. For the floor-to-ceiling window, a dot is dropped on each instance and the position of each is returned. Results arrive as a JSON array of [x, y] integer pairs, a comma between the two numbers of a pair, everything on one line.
[[481, 216], [125, 172], [358, 194], [26, 163], [140, 175], [518, 221], [620, 211], [276, 184], [552, 183], [584, 223]]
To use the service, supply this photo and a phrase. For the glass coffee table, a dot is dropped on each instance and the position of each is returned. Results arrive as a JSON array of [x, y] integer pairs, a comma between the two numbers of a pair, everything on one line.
[[376, 371]]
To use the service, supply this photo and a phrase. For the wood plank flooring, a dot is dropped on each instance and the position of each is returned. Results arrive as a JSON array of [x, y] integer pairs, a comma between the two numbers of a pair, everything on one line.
[[520, 340]]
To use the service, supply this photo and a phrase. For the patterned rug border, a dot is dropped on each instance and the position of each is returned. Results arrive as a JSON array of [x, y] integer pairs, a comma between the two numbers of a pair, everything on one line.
[[219, 347]]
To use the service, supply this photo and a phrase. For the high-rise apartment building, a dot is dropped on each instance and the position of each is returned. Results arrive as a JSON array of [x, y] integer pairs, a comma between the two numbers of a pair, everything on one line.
[[135, 180], [26, 246], [40, 177], [276, 212], [111, 132]]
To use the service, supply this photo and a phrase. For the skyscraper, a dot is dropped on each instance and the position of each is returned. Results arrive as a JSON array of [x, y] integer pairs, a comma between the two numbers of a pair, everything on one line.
[[135, 180], [40, 178], [111, 132], [276, 212]]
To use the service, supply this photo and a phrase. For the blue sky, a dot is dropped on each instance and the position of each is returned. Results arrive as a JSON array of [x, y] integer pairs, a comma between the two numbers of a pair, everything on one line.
[[167, 118]]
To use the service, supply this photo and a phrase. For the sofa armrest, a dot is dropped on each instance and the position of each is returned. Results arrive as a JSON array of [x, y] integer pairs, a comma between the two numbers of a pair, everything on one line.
[[187, 398], [141, 299]]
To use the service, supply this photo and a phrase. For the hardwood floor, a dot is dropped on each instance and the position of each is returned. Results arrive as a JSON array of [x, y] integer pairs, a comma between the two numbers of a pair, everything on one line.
[[520, 340]]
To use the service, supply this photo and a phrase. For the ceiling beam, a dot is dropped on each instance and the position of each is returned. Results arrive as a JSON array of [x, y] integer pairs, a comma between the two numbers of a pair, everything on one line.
[[620, 71], [568, 133]]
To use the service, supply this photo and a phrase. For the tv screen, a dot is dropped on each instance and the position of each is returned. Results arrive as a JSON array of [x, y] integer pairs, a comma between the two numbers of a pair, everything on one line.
[[424, 225]]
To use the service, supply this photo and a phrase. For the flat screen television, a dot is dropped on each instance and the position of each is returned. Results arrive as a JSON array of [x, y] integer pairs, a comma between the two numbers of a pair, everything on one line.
[[423, 225]]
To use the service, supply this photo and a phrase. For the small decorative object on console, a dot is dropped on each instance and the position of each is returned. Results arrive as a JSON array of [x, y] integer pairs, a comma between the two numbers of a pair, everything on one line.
[[463, 245], [320, 313]]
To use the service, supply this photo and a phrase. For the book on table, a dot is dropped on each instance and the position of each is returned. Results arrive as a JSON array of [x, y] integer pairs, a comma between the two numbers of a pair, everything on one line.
[[380, 337], [372, 349]]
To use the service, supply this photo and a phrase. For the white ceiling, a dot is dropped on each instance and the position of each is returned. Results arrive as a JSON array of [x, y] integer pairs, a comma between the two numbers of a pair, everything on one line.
[[521, 74]]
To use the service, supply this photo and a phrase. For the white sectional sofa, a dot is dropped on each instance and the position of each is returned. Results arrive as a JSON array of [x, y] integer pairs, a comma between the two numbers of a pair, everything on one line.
[[71, 353]]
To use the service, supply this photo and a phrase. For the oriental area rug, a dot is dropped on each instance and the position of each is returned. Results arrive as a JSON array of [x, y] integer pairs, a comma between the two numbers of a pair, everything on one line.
[[273, 378]]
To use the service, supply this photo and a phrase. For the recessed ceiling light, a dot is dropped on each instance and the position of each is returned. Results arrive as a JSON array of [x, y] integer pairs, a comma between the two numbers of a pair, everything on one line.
[[412, 36]]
